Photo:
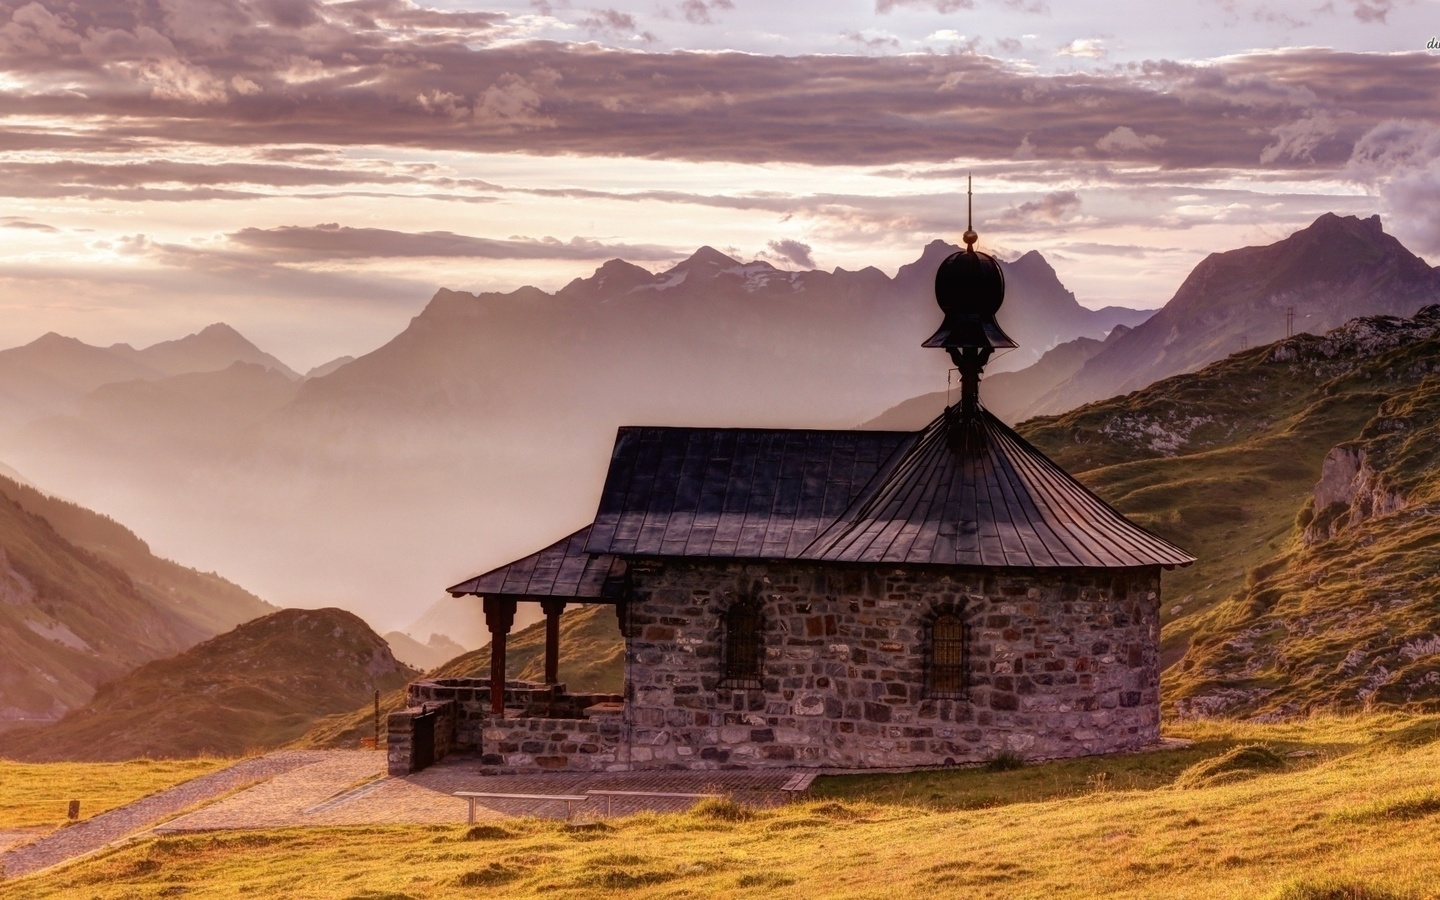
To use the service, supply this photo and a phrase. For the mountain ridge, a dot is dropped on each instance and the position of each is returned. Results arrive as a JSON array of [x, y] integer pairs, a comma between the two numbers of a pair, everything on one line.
[[1336, 268]]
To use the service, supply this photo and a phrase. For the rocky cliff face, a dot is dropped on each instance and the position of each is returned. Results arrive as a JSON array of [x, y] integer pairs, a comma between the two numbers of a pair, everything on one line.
[[1350, 491]]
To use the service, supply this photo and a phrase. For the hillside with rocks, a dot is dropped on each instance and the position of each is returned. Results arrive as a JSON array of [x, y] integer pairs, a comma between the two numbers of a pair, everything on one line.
[[257, 687], [1303, 476]]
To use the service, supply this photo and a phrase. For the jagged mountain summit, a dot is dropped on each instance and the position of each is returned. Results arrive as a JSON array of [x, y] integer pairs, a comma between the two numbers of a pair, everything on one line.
[[1337, 268]]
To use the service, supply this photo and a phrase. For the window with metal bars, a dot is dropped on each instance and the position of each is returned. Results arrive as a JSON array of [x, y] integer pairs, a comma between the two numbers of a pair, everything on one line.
[[945, 676], [744, 648]]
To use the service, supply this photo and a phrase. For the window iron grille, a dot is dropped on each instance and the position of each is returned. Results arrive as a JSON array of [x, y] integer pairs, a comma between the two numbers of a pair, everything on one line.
[[946, 677], [744, 649]]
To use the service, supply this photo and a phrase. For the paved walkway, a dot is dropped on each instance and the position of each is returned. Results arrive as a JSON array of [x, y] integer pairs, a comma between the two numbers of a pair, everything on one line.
[[349, 790], [9, 839], [307, 788], [117, 824]]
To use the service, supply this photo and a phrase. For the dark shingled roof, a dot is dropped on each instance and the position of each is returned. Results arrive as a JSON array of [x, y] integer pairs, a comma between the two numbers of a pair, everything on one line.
[[978, 494], [562, 570], [732, 492], [986, 498]]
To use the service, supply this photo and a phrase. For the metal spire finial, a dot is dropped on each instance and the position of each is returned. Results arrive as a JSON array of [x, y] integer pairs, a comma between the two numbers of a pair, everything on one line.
[[970, 236]]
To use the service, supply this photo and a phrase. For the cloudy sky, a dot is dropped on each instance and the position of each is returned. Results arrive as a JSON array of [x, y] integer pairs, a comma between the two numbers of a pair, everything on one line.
[[311, 170]]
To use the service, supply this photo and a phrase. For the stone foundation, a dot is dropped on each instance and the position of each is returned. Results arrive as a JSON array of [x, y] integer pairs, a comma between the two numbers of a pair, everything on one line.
[[594, 744], [1060, 663]]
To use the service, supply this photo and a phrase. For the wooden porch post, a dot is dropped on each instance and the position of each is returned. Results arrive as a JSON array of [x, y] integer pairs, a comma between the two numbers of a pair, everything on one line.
[[553, 607], [499, 618]]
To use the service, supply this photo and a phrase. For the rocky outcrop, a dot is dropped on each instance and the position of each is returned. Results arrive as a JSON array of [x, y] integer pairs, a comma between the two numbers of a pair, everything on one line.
[[1348, 493]]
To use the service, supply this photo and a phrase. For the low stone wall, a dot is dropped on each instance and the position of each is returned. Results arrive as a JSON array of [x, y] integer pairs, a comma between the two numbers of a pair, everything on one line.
[[545, 728], [400, 734], [594, 744], [521, 697]]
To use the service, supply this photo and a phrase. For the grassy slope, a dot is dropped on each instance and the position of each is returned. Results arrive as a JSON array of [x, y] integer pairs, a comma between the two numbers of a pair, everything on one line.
[[1356, 814], [203, 599], [1223, 462], [86, 601], [69, 620], [592, 658], [37, 795], [1347, 620], [259, 686]]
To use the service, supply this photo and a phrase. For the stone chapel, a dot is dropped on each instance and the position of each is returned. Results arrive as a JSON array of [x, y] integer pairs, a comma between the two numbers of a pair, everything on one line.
[[831, 599]]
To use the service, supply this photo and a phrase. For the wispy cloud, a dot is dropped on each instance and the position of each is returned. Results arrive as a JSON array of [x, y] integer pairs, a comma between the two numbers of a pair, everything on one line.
[[793, 251], [333, 241]]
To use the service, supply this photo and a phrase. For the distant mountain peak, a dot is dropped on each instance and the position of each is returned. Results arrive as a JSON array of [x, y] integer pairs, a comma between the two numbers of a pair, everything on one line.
[[1033, 259], [212, 348], [707, 256], [617, 265], [55, 339], [1331, 271], [1331, 220], [614, 275], [218, 330]]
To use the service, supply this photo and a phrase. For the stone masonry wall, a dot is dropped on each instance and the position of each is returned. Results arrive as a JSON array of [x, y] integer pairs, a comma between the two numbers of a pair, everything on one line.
[[400, 734], [1061, 663], [593, 744]]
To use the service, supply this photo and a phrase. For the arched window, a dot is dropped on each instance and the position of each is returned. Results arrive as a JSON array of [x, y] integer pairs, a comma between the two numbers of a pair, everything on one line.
[[744, 649], [946, 674]]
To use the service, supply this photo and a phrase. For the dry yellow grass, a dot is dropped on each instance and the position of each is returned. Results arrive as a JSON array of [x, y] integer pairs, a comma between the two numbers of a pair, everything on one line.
[[1356, 816], [37, 795]]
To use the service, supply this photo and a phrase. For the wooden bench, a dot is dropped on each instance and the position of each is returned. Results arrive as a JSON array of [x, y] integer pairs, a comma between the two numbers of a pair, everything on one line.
[[610, 795], [568, 799]]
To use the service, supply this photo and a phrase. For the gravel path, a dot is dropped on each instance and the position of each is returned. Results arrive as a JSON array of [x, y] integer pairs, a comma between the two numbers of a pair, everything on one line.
[[117, 824], [349, 787], [9, 839], [289, 797], [347, 792]]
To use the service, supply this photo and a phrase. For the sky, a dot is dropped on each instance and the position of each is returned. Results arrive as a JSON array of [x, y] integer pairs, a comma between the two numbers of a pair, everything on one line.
[[310, 172]]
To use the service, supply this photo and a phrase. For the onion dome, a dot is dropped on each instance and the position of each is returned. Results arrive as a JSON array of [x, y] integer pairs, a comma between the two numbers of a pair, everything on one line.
[[970, 287]]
